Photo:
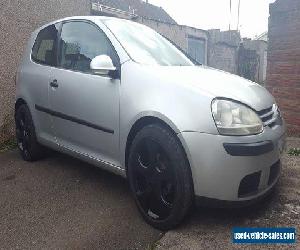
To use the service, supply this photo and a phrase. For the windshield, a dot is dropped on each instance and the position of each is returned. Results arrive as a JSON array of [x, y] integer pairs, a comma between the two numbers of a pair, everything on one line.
[[146, 46]]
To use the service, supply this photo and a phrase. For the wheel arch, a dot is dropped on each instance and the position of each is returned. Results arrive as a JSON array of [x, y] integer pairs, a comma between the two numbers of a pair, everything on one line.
[[137, 126], [145, 121]]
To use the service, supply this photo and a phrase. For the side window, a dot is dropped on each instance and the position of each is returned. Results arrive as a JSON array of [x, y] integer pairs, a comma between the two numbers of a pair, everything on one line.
[[80, 43], [44, 48]]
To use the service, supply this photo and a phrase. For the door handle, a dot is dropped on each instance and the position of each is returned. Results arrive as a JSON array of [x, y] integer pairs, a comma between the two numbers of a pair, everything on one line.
[[54, 84]]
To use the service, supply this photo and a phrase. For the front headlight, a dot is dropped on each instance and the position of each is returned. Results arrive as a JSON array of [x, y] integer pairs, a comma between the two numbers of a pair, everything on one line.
[[233, 118]]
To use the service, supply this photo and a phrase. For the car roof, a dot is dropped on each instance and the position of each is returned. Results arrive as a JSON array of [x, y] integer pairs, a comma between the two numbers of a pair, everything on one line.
[[94, 19], [91, 18]]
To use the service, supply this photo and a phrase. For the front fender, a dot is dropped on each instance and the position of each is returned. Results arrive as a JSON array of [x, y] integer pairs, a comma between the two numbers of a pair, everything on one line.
[[145, 91]]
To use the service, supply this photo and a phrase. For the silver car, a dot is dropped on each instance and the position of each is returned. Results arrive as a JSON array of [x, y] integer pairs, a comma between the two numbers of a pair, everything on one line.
[[118, 95]]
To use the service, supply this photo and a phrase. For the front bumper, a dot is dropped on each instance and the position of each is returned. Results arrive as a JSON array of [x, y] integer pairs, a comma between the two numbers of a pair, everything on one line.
[[234, 168]]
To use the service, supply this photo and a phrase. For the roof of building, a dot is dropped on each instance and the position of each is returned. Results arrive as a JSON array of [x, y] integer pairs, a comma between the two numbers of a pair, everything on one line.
[[141, 8]]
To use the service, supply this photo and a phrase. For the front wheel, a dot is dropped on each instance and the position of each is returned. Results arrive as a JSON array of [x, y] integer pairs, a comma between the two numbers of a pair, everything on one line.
[[160, 177]]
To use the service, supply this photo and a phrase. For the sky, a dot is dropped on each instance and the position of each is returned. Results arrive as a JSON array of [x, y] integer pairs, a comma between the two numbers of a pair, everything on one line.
[[215, 14]]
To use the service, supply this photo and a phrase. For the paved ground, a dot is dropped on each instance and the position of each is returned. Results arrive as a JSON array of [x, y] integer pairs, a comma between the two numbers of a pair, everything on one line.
[[61, 202]]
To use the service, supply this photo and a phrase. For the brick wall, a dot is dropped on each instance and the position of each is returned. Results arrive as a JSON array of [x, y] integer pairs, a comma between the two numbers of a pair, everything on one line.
[[17, 20], [283, 74]]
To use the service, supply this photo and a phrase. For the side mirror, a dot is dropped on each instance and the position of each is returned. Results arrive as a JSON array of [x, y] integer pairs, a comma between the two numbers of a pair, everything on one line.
[[103, 65]]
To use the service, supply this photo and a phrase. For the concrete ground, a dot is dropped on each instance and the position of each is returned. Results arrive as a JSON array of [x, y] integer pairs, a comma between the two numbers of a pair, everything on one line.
[[61, 202]]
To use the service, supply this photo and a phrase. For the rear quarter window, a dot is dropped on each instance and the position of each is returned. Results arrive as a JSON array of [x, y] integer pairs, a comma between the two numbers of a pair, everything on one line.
[[44, 48]]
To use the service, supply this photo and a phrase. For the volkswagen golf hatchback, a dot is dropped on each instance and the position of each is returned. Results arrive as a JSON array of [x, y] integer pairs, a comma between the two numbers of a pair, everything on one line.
[[120, 96]]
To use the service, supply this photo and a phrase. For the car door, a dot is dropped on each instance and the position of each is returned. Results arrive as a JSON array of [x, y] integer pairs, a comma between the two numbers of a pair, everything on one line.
[[85, 106], [37, 76]]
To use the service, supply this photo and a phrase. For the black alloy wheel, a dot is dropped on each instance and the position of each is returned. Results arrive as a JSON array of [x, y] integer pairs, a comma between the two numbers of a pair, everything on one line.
[[155, 183], [159, 176]]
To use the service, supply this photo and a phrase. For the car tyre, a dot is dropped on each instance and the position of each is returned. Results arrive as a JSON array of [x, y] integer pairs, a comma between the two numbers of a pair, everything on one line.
[[27, 142], [160, 177]]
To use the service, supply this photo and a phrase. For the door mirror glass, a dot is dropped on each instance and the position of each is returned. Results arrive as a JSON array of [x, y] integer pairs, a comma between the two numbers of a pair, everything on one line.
[[103, 65]]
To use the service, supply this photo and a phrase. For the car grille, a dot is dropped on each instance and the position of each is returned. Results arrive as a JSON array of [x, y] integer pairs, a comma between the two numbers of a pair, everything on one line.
[[269, 116]]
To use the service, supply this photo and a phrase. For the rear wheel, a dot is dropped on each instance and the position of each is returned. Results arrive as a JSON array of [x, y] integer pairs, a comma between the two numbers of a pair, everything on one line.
[[28, 146], [160, 177]]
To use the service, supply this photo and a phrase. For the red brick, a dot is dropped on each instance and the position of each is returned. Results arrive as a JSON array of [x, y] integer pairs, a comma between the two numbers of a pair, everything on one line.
[[288, 93], [284, 80], [292, 118], [291, 105], [283, 72], [285, 55], [282, 68], [284, 44]]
